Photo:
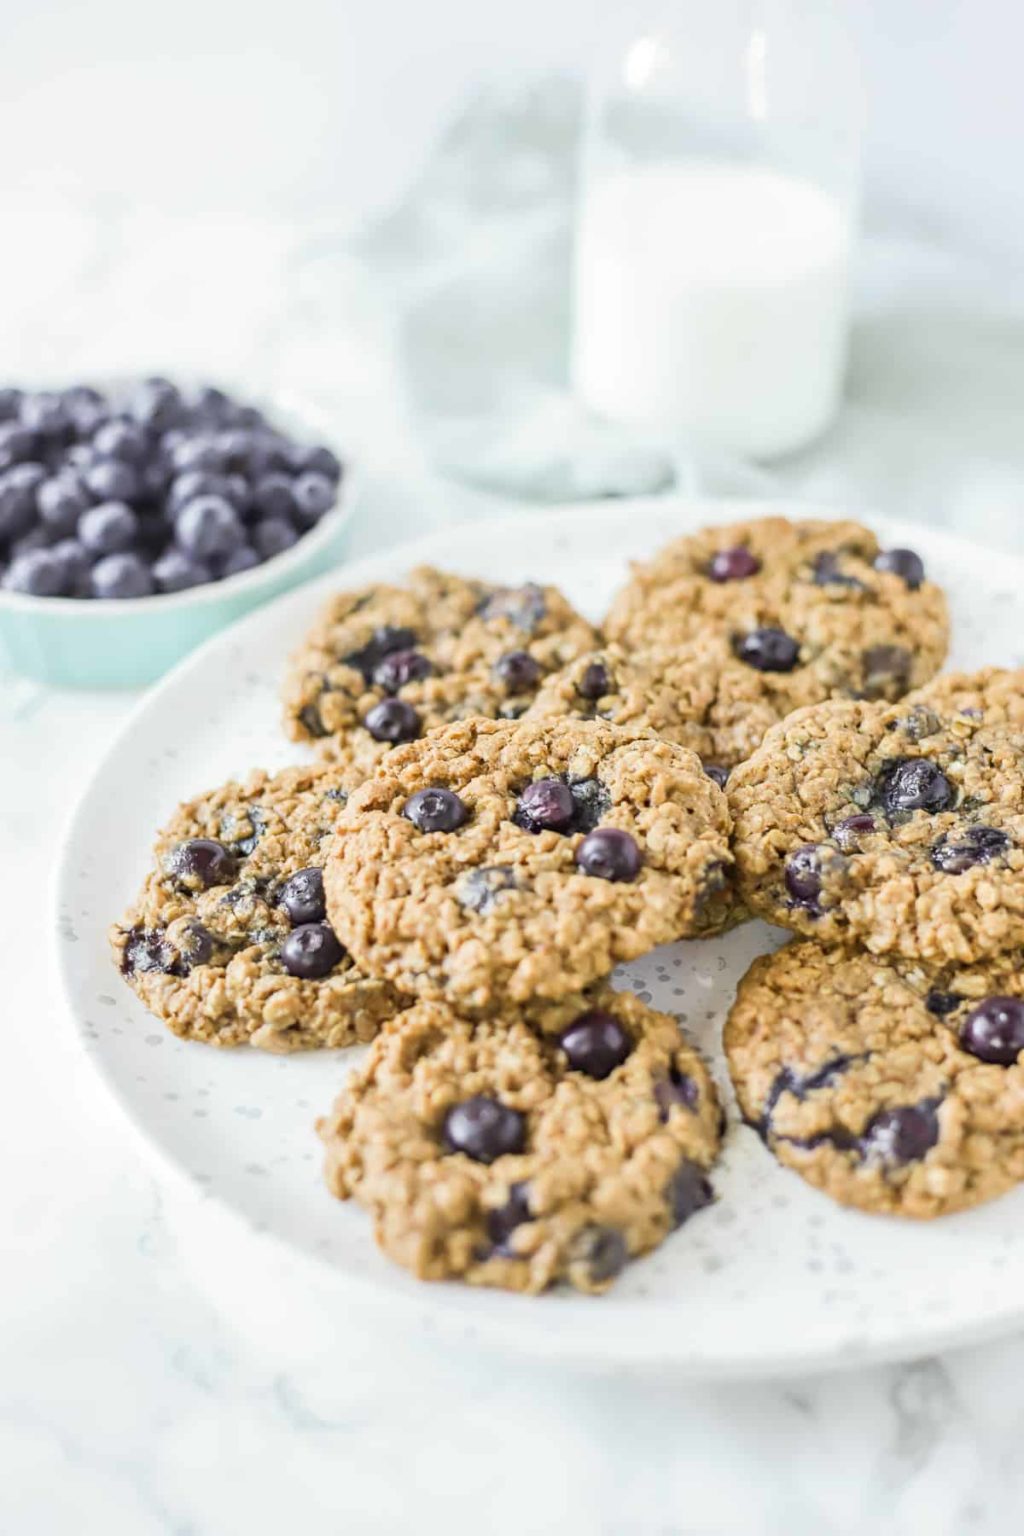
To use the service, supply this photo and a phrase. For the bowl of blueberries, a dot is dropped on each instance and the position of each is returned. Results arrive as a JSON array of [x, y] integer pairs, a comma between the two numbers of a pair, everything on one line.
[[139, 518]]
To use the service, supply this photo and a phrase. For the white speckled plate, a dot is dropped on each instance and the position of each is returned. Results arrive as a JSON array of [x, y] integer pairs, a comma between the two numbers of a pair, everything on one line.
[[774, 1277]]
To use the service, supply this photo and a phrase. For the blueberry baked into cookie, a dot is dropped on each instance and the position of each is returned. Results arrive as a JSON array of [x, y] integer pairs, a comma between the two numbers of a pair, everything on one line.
[[896, 827], [495, 862], [814, 609], [889, 1085], [501, 1153], [384, 665], [228, 941]]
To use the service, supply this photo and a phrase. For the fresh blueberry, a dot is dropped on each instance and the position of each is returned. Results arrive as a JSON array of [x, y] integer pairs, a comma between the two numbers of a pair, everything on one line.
[[17, 500], [36, 538], [596, 1043], [502, 1221], [17, 443], [238, 491], [394, 721], [108, 528], [61, 502], [401, 667], [111, 480], [317, 461], [312, 496], [913, 784], [518, 671], [609, 854], [545, 805], [244, 558], [198, 452], [273, 536], [689, 1190], [736, 564], [121, 576], [484, 1129], [901, 1135], [803, 876], [39, 573], [716, 772], [209, 526], [75, 561], [176, 572], [848, 832], [156, 403], [598, 1254], [435, 810], [119, 438], [595, 681], [302, 897], [10, 403], [979, 845], [202, 862], [273, 497], [769, 650], [46, 414], [994, 1030], [902, 562], [479, 889], [212, 404], [678, 1090], [311, 951], [194, 482]]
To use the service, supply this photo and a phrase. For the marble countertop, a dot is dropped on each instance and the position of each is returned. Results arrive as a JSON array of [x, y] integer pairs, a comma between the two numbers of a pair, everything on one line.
[[151, 1385]]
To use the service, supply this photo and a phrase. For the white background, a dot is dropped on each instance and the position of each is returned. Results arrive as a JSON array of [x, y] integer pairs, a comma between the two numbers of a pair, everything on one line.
[[323, 108]]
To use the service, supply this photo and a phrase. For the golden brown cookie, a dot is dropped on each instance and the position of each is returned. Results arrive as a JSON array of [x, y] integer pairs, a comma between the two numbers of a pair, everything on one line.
[[889, 1085], [494, 863], [896, 827], [502, 1153], [383, 665], [814, 609], [227, 941]]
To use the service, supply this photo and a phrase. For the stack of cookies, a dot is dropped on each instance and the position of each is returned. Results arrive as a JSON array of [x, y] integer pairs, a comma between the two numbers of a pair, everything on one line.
[[506, 804]]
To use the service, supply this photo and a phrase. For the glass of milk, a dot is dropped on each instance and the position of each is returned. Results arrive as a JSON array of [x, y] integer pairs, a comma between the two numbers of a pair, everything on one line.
[[718, 202]]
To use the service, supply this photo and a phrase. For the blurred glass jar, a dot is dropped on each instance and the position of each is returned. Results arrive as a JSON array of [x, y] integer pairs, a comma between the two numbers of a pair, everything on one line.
[[718, 204]]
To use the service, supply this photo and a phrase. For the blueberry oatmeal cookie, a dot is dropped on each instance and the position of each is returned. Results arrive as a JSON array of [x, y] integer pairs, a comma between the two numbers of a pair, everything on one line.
[[878, 1083], [698, 694], [814, 610], [896, 827], [384, 665], [508, 1154], [228, 941], [995, 695], [495, 863]]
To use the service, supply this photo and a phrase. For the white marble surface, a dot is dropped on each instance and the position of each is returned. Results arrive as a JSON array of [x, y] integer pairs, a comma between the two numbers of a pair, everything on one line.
[[151, 1381]]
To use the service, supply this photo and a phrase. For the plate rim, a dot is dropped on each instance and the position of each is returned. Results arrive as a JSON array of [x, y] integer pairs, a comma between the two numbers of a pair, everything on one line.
[[503, 1327]]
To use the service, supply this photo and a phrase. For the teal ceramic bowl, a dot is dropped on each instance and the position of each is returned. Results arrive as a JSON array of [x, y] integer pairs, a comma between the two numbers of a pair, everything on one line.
[[82, 643]]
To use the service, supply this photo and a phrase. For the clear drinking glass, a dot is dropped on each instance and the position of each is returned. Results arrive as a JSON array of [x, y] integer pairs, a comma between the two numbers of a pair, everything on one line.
[[718, 205]]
